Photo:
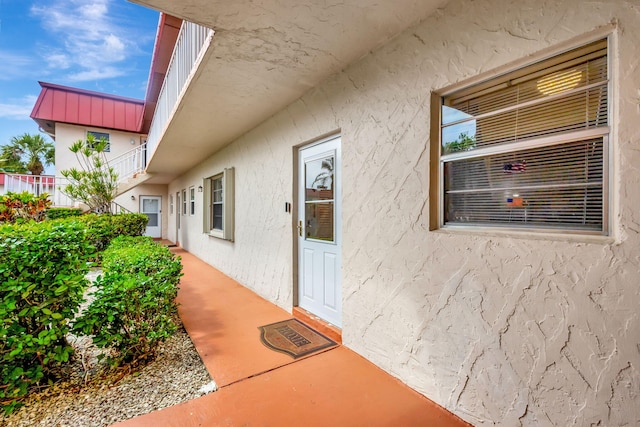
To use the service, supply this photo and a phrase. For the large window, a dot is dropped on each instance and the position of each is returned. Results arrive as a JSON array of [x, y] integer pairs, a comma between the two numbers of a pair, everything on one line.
[[99, 136], [528, 149], [219, 205]]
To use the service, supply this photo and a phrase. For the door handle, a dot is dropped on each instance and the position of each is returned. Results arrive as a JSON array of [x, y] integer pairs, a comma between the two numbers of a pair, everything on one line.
[[300, 228]]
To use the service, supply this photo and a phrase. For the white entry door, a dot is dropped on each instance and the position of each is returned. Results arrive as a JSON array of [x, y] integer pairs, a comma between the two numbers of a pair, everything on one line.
[[150, 206], [319, 231]]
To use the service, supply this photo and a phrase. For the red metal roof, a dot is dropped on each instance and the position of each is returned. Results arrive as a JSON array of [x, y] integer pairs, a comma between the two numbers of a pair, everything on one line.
[[65, 104]]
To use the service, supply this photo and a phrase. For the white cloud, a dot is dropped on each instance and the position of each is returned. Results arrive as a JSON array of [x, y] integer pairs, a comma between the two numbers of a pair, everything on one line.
[[91, 42], [13, 65], [17, 109]]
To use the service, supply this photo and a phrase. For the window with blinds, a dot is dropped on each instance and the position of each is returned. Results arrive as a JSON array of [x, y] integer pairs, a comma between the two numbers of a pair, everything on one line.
[[530, 149]]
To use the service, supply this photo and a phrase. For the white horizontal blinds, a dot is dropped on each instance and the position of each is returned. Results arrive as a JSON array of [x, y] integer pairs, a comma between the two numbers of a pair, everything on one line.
[[528, 149], [558, 186]]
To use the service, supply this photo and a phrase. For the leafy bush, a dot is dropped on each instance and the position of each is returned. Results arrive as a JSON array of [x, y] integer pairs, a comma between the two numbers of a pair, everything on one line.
[[101, 229], [56, 213], [21, 207], [42, 281], [134, 306]]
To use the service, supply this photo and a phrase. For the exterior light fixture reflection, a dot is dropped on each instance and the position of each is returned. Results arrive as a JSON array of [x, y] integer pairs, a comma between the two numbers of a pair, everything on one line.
[[561, 81]]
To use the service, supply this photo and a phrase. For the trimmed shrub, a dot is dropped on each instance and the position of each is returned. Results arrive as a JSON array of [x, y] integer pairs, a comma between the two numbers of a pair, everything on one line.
[[57, 213], [104, 228], [134, 306], [42, 281]]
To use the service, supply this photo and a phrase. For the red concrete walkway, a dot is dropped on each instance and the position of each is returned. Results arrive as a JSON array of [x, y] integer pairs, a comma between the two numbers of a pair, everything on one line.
[[261, 387]]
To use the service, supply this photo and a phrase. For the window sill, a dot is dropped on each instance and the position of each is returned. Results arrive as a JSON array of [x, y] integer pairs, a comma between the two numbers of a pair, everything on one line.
[[529, 235], [218, 234]]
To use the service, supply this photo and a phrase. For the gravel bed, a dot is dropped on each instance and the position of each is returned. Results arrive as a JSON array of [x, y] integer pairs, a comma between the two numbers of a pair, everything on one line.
[[91, 396]]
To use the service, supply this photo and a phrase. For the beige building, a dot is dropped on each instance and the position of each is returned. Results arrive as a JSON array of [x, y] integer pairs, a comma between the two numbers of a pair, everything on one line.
[[451, 184], [70, 114]]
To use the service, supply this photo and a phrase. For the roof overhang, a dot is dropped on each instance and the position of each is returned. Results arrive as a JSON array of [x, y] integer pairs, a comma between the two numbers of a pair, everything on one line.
[[264, 56]]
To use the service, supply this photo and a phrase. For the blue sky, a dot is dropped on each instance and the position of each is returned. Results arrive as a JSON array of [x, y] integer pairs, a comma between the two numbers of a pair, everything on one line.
[[100, 45]]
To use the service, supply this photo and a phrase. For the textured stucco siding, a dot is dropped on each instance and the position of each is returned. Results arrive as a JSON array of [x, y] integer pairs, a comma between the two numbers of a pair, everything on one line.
[[499, 329]]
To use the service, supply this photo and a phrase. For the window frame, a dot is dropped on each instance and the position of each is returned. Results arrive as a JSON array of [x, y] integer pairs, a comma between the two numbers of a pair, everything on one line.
[[99, 135], [510, 73], [184, 202], [170, 204], [226, 178], [192, 200]]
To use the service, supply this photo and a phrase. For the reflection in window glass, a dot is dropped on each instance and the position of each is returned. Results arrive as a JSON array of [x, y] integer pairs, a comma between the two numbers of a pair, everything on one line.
[[319, 199]]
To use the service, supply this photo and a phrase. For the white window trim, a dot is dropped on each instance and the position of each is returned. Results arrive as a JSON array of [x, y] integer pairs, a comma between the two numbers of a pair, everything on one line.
[[228, 202], [183, 210], [192, 200], [437, 221]]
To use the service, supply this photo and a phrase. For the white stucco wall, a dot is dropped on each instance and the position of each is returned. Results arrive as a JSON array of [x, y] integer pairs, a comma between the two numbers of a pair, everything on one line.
[[67, 134], [499, 329], [133, 205]]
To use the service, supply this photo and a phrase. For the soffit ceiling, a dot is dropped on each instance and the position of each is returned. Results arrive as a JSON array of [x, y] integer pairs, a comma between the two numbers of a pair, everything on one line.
[[266, 54]]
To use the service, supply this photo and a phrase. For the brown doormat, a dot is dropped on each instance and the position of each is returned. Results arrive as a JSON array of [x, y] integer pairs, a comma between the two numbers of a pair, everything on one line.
[[293, 338]]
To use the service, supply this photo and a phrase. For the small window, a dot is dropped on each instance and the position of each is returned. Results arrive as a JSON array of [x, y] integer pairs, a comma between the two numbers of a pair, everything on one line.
[[170, 204], [192, 201], [219, 201], [184, 202], [529, 149], [98, 136]]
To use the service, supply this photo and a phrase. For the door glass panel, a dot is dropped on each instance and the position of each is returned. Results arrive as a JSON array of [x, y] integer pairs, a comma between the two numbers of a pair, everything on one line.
[[319, 221], [153, 219], [319, 179], [150, 205], [319, 195]]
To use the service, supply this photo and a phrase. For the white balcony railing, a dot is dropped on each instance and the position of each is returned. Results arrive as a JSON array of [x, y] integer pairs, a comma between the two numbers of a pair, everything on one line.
[[126, 165], [187, 54], [38, 185], [131, 163], [34, 184]]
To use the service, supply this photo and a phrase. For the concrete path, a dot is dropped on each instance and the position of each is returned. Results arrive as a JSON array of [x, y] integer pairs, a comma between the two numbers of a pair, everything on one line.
[[261, 387]]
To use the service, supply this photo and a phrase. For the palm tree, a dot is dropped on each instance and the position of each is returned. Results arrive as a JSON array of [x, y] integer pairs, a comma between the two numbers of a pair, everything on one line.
[[27, 153], [326, 174], [10, 160]]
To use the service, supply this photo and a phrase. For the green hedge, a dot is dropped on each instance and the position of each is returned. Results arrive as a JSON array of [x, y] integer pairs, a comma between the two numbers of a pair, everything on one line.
[[56, 213], [134, 306], [104, 228], [42, 281]]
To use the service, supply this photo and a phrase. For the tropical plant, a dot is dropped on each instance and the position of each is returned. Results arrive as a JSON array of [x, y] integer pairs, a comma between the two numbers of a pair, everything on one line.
[[463, 143], [95, 183], [16, 207], [27, 152], [326, 174]]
